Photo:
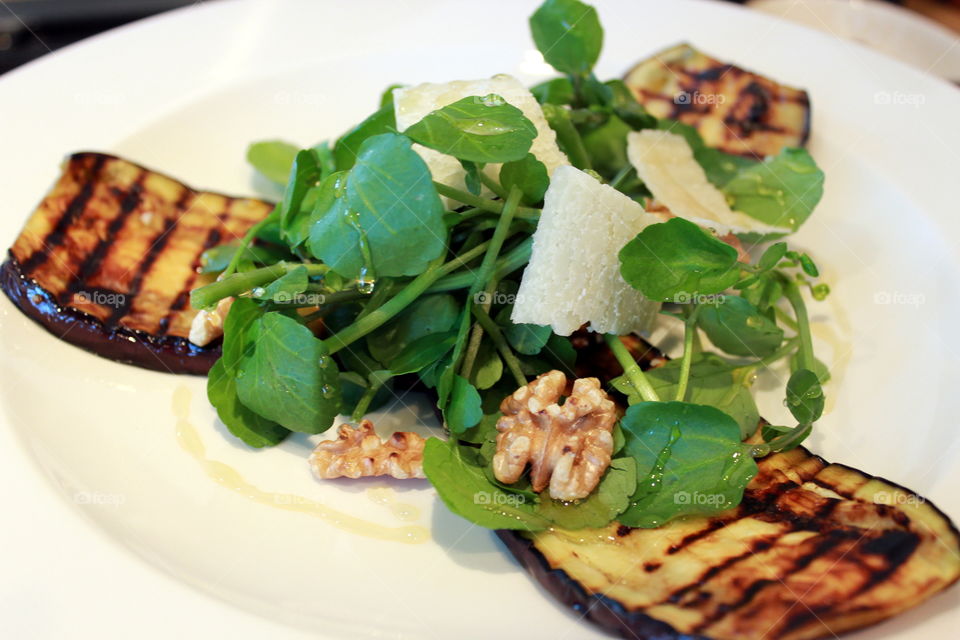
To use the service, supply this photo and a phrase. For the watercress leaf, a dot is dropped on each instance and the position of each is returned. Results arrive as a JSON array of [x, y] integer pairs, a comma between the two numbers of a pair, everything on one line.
[[304, 175], [286, 287], [555, 91], [568, 138], [809, 266], [568, 34], [462, 485], [476, 128], [720, 167], [422, 352], [472, 177], [288, 377], [771, 431], [595, 93], [561, 352], [627, 108], [805, 398], [386, 98], [464, 407], [217, 258], [690, 461], [610, 498], [389, 210], [772, 256], [347, 147], [606, 144], [528, 339], [738, 328], [487, 368], [675, 258], [712, 383], [433, 314], [272, 158], [527, 174], [781, 191], [251, 428]]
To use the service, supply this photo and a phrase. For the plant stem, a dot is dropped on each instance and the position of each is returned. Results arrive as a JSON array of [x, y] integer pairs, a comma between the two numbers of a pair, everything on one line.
[[786, 319], [485, 281], [485, 204], [247, 239], [510, 262], [689, 333], [792, 292], [784, 442], [621, 176], [513, 364], [492, 184], [631, 369], [233, 285], [567, 135], [414, 289]]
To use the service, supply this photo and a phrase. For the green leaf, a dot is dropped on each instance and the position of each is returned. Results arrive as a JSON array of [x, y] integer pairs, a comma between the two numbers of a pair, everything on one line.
[[347, 147], [243, 423], [606, 145], [782, 191], [272, 158], [216, 259], [713, 382], [610, 498], [433, 314], [805, 398], [690, 461], [819, 367], [478, 129], [568, 34], [737, 327], [678, 259], [422, 352], [287, 287], [389, 209], [772, 256], [527, 174], [305, 174], [528, 339], [464, 408], [556, 91], [487, 368], [463, 486], [289, 378], [386, 98], [625, 105]]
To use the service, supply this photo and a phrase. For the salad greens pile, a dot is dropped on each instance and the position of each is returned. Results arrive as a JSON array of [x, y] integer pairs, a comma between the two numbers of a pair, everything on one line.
[[362, 281]]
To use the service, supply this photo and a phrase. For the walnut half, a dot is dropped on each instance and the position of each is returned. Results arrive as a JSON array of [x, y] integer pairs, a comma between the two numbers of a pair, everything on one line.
[[568, 446], [359, 452]]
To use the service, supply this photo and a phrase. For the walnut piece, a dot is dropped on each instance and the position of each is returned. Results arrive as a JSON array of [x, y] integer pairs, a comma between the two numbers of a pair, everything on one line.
[[359, 452], [568, 446]]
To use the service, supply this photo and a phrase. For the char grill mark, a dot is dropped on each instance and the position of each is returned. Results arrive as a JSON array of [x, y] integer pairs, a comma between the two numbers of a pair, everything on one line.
[[108, 258]]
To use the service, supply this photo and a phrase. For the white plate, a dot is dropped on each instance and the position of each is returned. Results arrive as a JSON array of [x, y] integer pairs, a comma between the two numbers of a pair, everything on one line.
[[89, 458], [896, 31]]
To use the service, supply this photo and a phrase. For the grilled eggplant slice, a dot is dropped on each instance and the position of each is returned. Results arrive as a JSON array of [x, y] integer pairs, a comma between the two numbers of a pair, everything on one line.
[[814, 549], [734, 110], [108, 259]]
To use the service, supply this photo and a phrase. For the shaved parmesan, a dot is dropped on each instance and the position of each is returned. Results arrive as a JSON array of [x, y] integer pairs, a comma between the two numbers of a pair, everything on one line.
[[411, 104], [573, 276], [665, 163]]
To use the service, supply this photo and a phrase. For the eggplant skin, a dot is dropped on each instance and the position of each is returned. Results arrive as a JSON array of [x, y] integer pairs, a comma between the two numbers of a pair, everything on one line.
[[814, 550], [734, 110], [108, 258]]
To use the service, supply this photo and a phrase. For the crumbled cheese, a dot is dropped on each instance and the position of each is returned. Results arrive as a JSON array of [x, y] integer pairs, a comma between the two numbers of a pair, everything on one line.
[[573, 276], [207, 326], [411, 104], [665, 163]]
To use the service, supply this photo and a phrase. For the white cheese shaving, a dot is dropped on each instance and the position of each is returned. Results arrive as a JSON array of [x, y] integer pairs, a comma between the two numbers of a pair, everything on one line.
[[573, 276], [665, 163], [411, 104]]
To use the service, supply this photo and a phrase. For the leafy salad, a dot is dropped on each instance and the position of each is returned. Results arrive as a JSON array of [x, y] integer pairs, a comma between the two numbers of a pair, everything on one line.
[[378, 271]]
